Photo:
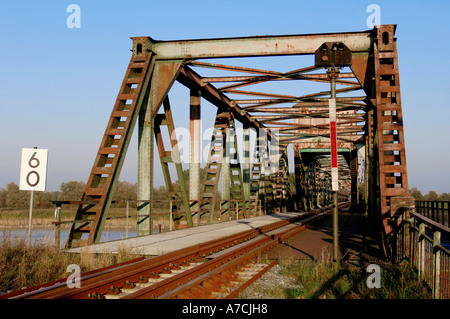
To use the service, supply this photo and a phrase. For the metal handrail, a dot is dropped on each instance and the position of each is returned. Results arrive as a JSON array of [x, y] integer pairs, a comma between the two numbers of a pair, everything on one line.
[[435, 210], [59, 203], [427, 254], [431, 223]]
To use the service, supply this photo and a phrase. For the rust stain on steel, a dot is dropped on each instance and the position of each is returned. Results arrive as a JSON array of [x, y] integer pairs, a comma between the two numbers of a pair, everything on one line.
[[165, 72]]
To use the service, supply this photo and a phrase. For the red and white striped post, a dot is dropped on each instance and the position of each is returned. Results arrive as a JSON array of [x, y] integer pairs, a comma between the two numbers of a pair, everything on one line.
[[333, 73], [333, 139], [333, 55]]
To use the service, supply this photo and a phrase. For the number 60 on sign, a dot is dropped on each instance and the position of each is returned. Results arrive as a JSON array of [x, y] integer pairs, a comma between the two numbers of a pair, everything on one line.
[[33, 170]]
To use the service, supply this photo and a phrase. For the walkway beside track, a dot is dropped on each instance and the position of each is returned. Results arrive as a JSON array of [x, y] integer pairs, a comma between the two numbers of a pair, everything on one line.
[[158, 244], [356, 243]]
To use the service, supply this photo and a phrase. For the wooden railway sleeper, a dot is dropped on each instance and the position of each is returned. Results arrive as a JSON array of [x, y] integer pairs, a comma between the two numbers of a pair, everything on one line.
[[143, 282]]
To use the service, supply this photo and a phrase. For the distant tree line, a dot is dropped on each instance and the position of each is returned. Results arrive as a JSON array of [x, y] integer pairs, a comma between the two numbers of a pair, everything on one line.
[[13, 198], [431, 195]]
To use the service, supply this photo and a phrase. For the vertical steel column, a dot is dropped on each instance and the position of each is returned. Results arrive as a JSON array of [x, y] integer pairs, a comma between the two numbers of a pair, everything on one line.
[[225, 172], [145, 166], [262, 142], [354, 177], [268, 181], [246, 162], [312, 183], [368, 172], [285, 190], [195, 154], [273, 173], [145, 170], [256, 177], [163, 75], [298, 171]]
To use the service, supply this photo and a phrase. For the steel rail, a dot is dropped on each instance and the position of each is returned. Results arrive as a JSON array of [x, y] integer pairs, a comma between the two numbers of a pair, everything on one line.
[[28, 292], [181, 266], [231, 263], [113, 275]]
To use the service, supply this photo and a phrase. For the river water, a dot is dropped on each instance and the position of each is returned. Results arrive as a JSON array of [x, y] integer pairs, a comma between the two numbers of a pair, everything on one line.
[[47, 235]]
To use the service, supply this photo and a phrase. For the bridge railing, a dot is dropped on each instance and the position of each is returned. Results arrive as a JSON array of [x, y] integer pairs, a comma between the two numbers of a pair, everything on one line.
[[425, 243], [434, 210], [224, 210]]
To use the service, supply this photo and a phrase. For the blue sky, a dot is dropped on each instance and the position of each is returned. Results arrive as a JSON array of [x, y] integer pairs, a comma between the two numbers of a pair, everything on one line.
[[58, 85]]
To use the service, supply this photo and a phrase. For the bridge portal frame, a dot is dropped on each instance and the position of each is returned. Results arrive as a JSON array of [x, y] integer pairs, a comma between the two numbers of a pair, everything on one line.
[[155, 66]]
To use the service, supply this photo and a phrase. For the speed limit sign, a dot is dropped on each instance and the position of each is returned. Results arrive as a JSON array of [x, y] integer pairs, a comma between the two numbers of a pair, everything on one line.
[[33, 171]]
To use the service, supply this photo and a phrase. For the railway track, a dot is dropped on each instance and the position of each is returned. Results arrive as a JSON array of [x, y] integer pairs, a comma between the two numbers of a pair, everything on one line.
[[215, 269]]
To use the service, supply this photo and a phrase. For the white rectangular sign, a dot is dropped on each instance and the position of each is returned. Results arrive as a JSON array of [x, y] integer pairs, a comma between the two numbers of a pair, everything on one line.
[[33, 171], [332, 108], [334, 179]]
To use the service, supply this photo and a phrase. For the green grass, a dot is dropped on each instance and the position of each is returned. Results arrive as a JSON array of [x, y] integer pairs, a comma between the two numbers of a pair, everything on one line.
[[329, 280], [325, 279], [26, 266]]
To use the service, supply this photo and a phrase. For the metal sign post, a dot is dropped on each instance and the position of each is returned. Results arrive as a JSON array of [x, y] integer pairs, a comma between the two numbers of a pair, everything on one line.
[[33, 173], [333, 55], [30, 217], [333, 73]]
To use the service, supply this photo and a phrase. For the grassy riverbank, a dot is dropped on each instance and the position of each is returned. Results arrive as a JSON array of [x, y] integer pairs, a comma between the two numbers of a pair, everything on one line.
[[26, 266]]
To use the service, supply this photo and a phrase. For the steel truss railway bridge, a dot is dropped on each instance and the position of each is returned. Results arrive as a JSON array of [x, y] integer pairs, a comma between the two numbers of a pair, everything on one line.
[[337, 92]]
